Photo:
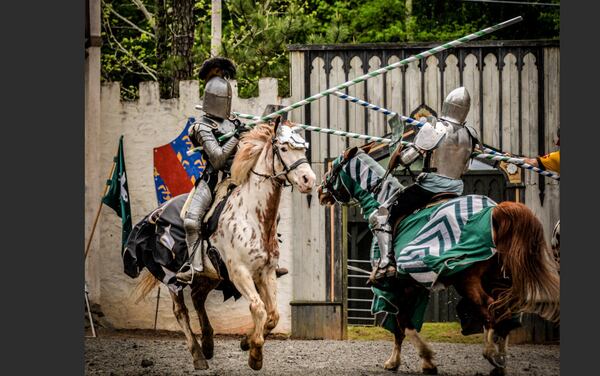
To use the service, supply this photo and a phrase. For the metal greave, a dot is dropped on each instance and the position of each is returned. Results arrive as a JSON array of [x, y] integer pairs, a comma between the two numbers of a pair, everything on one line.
[[379, 221], [199, 205]]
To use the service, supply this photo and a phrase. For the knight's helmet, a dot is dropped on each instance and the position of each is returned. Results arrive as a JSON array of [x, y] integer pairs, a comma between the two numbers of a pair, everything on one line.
[[456, 106], [217, 98], [217, 92]]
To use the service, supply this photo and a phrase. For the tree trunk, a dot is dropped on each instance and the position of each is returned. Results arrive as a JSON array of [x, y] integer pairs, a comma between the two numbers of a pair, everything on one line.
[[182, 43], [215, 40], [162, 49]]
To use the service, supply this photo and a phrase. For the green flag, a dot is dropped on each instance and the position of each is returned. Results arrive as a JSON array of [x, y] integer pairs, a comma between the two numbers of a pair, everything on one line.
[[117, 196]]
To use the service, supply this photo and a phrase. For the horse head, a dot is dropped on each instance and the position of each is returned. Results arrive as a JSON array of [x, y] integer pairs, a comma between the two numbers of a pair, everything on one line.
[[274, 152], [289, 157], [332, 189]]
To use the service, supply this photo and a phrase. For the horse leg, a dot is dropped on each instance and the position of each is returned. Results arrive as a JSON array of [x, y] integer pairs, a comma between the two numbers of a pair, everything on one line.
[[267, 289], [181, 314], [200, 291], [393, 362], [245, 284], [470, 287], [268, 293], [425, 352], [502, 345], [477, 294]]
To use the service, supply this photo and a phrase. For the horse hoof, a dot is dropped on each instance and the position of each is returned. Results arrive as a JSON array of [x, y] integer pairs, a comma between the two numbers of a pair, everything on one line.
[[255, 358], [497, 360], [391, 366], [498, 372], [245, 344], [430, 371], [200, 364], [255, 363]]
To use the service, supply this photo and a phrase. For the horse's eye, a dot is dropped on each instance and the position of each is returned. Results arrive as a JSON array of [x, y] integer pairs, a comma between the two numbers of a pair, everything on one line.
[[284, 149]]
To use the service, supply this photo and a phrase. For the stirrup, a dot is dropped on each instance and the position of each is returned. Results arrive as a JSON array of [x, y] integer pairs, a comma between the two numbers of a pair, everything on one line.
[[181, 275]]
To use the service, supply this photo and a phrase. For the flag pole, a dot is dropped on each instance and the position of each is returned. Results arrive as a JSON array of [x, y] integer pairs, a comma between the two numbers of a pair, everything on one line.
[[106, 186]]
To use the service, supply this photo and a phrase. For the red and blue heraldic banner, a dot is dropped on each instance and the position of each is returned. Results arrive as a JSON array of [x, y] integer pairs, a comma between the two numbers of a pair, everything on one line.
[[175, 172]]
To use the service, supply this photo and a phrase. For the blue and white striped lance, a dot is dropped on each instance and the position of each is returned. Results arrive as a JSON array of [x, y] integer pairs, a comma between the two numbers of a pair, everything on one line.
[[516, 161], [490, 156]]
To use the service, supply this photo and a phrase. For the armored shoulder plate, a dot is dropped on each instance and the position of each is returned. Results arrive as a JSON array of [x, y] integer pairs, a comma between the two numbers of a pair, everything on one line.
[[216, 126], [429, 136], [209, 123]]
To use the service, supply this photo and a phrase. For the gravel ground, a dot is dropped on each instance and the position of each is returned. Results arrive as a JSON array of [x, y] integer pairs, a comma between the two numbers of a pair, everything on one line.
[[144, 354]]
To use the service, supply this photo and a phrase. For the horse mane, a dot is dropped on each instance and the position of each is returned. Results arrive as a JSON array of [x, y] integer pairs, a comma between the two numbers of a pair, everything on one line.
[[250, 147]]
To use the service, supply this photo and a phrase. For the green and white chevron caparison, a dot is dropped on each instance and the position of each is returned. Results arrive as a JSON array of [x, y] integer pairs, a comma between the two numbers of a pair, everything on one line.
[[436, 242], [445, 238]]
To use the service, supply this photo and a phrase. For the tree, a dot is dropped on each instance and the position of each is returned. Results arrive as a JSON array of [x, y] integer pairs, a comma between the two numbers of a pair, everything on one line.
[[157, 37], [167, 40]]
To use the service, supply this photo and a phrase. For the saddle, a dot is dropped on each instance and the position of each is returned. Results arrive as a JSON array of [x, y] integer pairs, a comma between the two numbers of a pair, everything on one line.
[[434, 200], [439, 198], [211, 219], [209, 226]]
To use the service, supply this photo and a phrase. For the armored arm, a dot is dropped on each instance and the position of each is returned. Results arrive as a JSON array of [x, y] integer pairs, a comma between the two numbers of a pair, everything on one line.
[[428, 138], [217, 154]]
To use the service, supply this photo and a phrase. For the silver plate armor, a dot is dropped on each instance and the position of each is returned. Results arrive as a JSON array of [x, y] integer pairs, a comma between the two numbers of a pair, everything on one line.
[[287, 135], [430, 136], [451, 158], [217, 98], [409, 154], [456, 106], [206, 132]]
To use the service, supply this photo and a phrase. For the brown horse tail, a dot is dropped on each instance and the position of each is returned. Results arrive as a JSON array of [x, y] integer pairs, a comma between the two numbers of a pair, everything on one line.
[[525, 255], [144, 286]]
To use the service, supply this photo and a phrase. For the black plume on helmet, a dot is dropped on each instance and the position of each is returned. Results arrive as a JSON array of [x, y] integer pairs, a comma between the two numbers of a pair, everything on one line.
[[217, 66]]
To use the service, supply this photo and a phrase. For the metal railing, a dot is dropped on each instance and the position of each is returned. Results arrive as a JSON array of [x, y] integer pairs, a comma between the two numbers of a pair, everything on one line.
[[361, 304]]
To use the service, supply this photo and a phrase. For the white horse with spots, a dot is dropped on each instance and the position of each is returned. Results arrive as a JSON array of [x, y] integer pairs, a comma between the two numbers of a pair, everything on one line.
[[246, 236]]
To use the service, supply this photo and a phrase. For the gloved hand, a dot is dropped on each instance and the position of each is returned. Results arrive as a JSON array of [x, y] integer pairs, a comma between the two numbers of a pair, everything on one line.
[[240, 127]]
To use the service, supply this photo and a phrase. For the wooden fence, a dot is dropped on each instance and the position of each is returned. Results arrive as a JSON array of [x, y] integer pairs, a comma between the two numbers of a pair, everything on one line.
[[514, 88]]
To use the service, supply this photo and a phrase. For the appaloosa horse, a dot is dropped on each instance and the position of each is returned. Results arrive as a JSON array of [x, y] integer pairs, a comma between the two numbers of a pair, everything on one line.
[[516, 273], [246, 236]]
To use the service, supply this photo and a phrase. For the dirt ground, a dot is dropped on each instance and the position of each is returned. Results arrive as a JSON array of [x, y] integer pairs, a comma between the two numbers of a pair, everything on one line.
[[149, 353]]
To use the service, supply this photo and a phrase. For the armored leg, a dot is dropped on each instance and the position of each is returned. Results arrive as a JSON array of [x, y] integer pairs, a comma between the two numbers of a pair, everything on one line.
[[380, 225], [199, 205]]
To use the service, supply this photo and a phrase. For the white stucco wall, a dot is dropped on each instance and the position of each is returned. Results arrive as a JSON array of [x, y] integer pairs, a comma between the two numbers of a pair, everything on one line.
[[146, 124]]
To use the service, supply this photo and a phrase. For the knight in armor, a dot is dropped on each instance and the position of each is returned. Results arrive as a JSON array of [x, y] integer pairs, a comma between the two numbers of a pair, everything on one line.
[[219, 155], [445, 146]]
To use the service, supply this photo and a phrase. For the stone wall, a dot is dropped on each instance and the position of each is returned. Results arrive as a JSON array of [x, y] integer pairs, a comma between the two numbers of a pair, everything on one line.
[[145, 124]]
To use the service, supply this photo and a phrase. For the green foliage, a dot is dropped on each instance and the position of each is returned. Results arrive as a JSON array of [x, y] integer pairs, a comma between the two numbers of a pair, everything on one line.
[[128, 55], [255, 34]]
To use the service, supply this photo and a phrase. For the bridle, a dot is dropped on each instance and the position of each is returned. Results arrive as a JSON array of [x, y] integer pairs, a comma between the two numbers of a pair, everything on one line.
[[275, 176], [329, 180]]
